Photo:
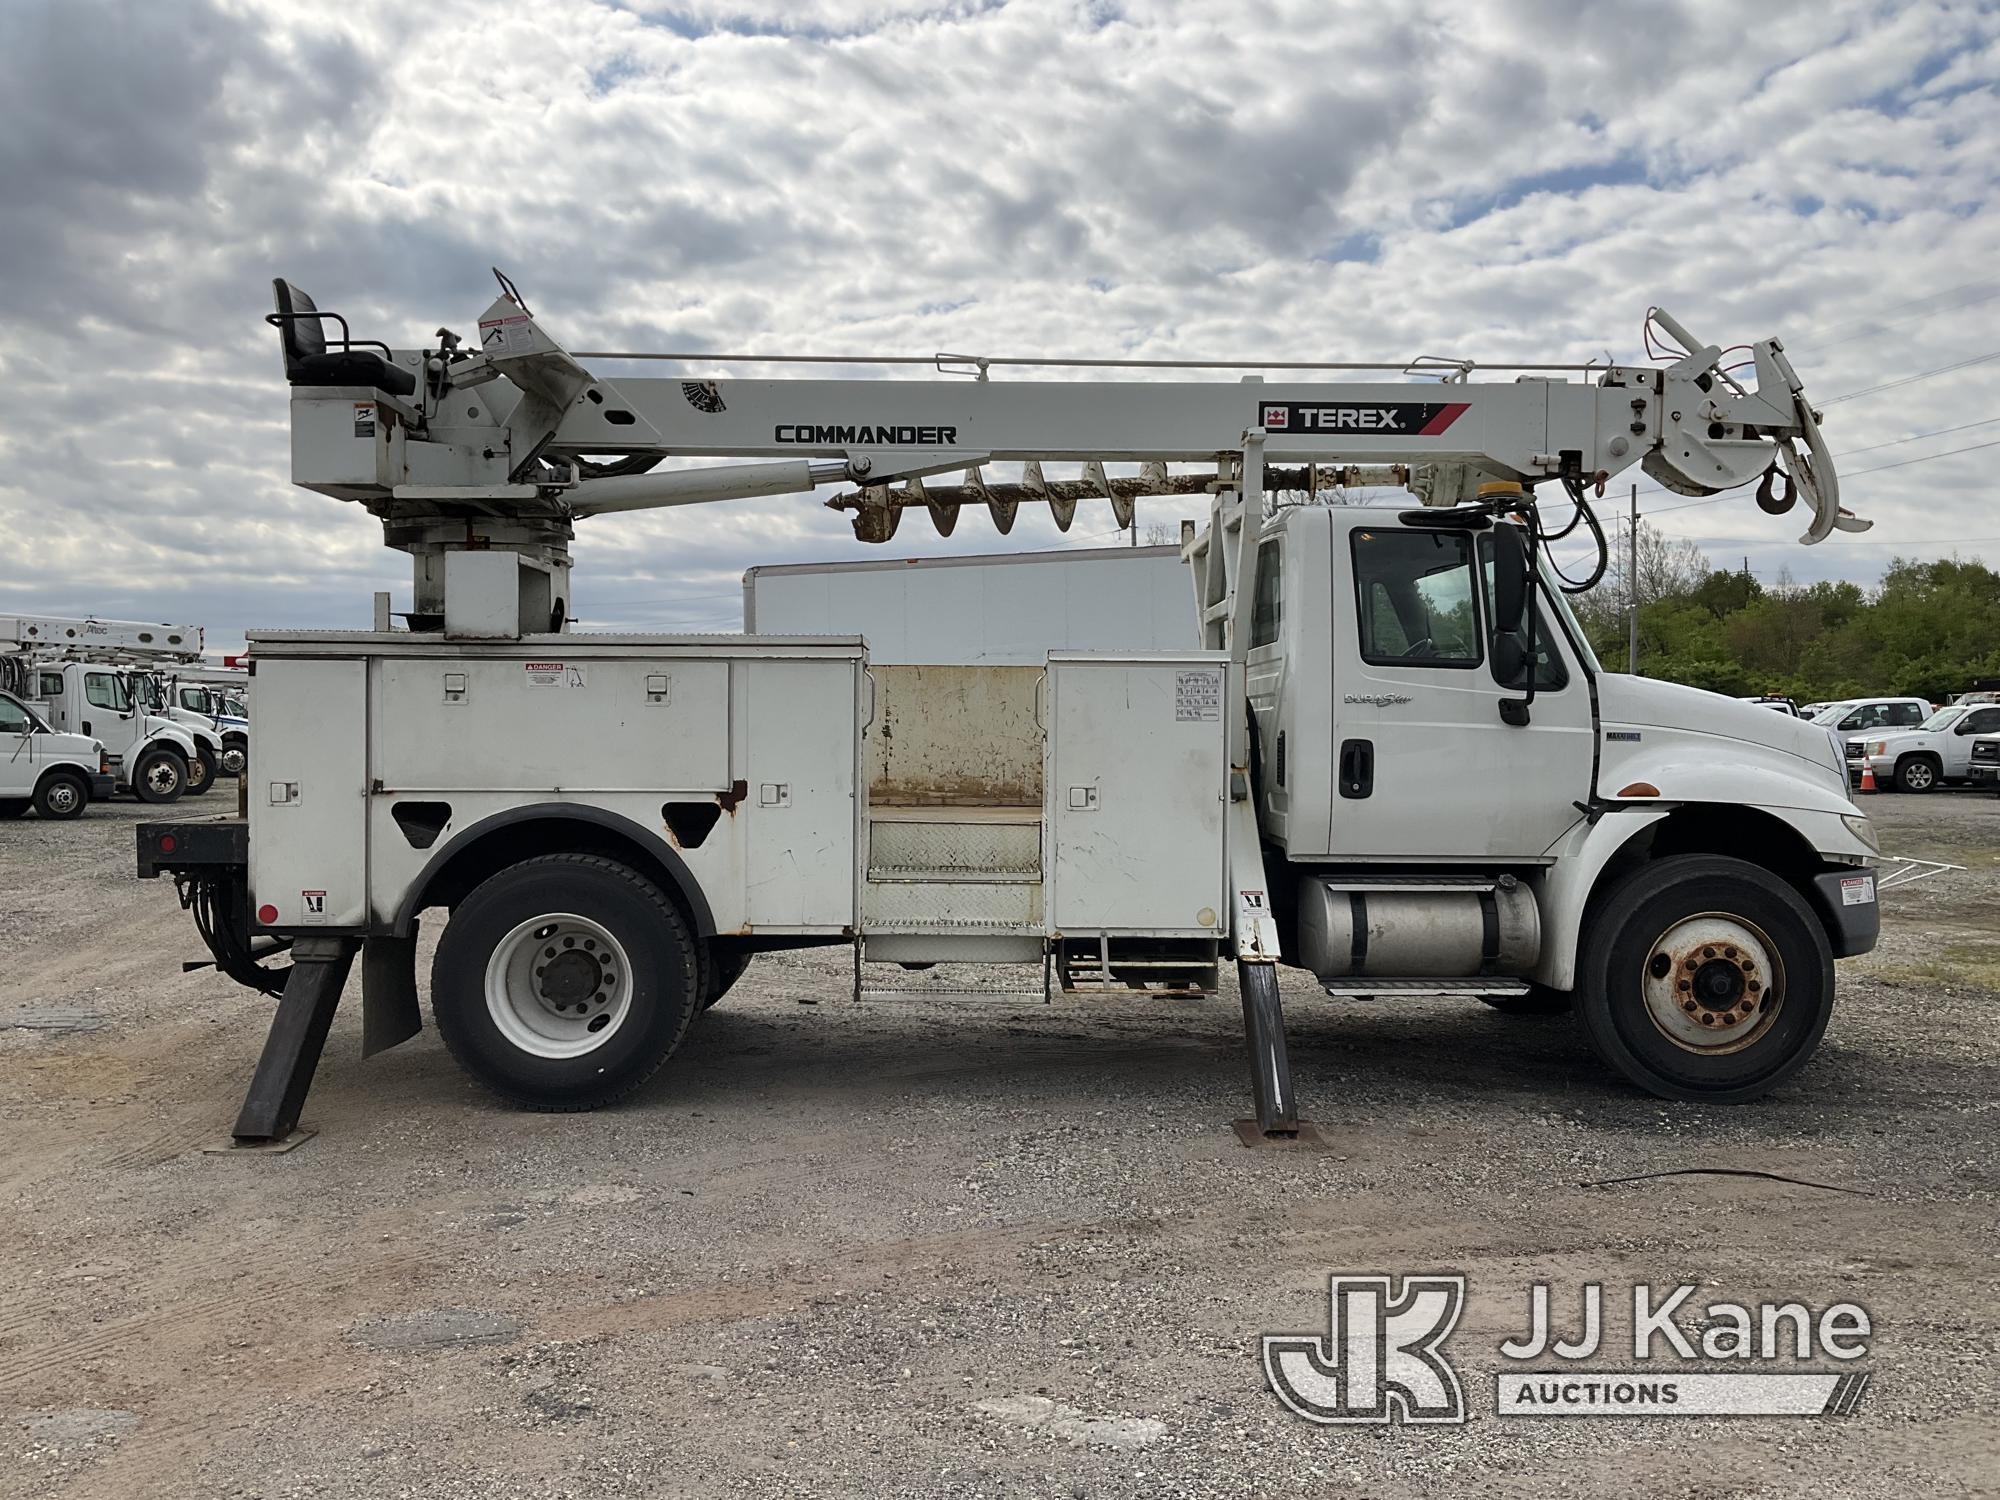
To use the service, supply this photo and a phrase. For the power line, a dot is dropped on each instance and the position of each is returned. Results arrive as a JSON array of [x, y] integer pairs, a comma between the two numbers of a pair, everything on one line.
[[1870, 326], [1890, 385], [1878, 469]]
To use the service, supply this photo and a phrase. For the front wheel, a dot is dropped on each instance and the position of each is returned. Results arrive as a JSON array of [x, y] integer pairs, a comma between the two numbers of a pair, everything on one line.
[[1704, 978], [235, 757], [161, 776], [564, 982], [62, 796], [1916, 774]]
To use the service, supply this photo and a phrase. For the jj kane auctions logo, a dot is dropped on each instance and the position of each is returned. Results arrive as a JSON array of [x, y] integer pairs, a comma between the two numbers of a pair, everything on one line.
[[1383, 1358]]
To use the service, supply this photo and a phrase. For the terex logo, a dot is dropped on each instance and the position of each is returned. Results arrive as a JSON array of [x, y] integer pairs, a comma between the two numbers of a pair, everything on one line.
[[1398, 418], [1380, 1355]]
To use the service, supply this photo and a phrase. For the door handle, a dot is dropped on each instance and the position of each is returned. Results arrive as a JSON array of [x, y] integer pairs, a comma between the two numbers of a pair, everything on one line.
[[1357, 768]]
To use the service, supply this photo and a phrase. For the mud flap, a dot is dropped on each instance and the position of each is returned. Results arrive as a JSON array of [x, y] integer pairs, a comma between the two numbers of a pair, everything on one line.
[[389, 1010]]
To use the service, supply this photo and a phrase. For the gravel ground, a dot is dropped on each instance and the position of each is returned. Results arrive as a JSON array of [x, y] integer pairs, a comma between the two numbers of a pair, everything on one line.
[[962, 1245]]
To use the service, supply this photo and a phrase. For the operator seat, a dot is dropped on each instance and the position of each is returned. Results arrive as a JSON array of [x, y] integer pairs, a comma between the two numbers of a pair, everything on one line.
[[308, 361]]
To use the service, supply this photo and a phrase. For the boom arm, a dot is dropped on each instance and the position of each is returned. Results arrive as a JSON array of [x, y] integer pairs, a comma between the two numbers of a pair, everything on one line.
[[503, 449]]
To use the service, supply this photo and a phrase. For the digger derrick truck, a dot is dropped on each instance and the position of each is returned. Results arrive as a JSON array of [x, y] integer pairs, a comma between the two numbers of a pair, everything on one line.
[[1392, 760]]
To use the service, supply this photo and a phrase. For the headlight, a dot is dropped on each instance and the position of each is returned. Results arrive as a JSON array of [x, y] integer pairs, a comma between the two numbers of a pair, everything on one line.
[[1878, 747], [1861, 828]]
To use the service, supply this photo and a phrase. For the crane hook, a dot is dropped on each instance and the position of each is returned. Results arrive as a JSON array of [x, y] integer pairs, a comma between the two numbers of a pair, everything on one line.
[[1775, 505]]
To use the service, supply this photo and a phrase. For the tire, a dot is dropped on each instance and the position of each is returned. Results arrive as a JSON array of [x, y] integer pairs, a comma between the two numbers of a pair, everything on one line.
[[62, 796], [201, 774], [1750, 938], [13, 807], [725, 967], [1539, 1001], [160, 777], [635, 986], [235, 757], [1916, 773]]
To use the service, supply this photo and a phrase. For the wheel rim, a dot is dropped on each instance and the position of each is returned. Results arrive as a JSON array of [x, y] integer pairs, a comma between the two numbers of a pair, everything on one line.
[[559, 985], [233, 762], [1918, 775], [1714, 983], [61, 798], [163, 776]]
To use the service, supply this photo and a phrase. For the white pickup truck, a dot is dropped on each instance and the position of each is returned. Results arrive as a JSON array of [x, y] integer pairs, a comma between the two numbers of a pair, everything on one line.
[[58, 775], [1936, 753]]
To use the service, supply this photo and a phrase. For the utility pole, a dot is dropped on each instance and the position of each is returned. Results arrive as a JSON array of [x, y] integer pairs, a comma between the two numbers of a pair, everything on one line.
[[1632, 591]]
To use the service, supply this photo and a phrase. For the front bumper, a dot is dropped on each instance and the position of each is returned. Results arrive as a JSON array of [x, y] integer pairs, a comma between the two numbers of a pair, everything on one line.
[[1983, 773], [1847, 904], [102, 787]]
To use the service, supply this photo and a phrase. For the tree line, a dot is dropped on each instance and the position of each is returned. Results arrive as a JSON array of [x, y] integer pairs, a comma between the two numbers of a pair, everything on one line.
[[1926, 630]]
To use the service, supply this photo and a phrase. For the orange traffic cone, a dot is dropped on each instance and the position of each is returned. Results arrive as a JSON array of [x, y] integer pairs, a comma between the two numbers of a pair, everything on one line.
[[1867, 778]]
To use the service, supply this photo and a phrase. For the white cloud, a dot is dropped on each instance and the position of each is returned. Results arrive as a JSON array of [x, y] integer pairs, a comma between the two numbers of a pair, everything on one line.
[[1288, 180]]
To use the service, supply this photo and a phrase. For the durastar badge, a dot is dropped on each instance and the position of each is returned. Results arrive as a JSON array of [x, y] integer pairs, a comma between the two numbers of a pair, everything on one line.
[[1361, 418]]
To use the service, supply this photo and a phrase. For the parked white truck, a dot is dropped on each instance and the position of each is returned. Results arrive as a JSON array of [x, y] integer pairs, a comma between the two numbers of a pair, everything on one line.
[[58, 775], [1936, 753], [1391, 759], [99, 678]]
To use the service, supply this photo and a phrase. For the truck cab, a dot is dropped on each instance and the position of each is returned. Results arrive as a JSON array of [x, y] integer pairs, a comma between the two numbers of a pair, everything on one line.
[[58, 775], [1433, 827], [151, 756]]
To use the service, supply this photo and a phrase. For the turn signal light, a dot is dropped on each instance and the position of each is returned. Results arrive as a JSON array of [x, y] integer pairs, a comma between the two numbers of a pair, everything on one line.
[[1639, 789]]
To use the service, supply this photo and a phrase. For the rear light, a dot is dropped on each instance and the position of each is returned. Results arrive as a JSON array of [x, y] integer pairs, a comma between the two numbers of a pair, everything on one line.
[[168, 843]]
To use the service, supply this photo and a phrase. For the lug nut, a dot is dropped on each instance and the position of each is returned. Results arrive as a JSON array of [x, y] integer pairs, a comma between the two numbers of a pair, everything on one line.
[[1687, 1005], [1708, 1018]]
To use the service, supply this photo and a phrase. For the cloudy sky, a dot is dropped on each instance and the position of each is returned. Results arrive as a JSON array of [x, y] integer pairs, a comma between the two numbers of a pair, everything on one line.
[[1291, 179]]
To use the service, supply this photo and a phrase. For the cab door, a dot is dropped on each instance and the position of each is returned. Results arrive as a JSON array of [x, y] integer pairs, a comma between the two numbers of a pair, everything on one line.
[[1425, 768], [17, 758]]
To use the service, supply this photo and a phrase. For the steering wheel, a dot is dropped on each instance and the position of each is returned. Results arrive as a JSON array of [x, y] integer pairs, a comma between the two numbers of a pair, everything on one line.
[[1421, 650]]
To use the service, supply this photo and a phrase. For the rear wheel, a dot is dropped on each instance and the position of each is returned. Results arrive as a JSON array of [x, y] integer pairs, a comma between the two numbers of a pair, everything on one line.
[[201, 773], [61, 796], [1704, 978], [564, 982], [1916, 773], [160, 776]]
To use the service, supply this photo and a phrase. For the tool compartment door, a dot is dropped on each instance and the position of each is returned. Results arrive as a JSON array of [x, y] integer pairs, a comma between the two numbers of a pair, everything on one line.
[[1135, 787], [308, 790]]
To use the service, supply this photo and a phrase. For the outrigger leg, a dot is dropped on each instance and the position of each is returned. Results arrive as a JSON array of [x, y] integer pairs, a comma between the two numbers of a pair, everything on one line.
[[1264, 1031], [298, 1035]]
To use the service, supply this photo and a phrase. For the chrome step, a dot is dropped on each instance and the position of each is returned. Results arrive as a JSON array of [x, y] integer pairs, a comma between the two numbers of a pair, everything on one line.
[[1362, 987], [1365, 883]]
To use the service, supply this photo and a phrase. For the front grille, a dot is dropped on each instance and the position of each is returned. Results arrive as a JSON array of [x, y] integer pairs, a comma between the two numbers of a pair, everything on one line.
[[1853, 748], [1986, 750]]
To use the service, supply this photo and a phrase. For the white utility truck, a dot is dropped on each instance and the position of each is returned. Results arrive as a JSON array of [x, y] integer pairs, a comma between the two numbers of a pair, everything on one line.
[[79, 675], [1391, 760], [58, 775]]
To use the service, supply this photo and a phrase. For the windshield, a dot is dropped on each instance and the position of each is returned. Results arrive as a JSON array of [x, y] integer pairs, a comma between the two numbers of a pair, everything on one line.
[[1833, 713], [1942, 719]]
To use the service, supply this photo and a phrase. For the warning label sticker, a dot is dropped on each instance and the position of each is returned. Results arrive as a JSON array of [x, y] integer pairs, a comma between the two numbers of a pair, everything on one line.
[[364, 419], [1857, 890], [556, 674], [312, 906], [509, 335], [1197, 697]]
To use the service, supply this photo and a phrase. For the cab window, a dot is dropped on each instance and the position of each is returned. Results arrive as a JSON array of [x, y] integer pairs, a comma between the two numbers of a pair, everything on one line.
[[1981, 721], [105, 690], [1905, 715], [51, 684], [1414, 598], [1266, 609], [14, 718]]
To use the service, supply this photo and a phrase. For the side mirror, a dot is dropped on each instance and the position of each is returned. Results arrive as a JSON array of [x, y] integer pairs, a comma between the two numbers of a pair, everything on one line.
[[1513, 636]]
